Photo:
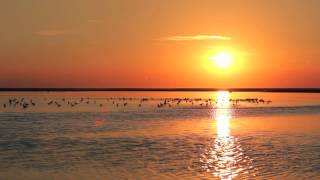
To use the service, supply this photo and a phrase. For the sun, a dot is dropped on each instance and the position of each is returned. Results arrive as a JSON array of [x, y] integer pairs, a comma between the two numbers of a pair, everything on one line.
[[222, 59]]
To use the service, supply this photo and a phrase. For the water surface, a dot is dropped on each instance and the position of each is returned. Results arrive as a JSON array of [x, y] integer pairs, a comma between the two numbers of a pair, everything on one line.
[[220, 139]]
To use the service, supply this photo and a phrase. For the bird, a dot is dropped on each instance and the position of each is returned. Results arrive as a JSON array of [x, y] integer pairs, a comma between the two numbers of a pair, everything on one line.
[[25, 105], [32, 103], [58, 105]]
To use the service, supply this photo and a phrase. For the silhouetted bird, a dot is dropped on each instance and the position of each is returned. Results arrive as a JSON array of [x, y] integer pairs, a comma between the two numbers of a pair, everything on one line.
[[58, 105], [25, 105]]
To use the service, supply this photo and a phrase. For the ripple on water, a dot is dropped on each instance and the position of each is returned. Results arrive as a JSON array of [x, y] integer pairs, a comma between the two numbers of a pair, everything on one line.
[[41, 143]]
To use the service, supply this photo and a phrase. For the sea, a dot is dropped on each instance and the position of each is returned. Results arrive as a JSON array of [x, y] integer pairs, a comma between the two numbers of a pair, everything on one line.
[[159, 135]]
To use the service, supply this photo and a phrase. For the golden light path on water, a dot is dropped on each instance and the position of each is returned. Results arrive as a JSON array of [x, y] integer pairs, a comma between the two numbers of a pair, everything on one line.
[[225, 158], [223, 114]]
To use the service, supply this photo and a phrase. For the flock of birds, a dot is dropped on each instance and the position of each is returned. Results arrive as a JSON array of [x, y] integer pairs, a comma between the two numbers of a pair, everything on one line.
[[123, 102]]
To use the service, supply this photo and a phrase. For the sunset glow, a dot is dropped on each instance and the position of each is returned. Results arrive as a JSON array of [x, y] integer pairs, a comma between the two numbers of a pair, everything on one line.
[[160, 44], [163, 89]]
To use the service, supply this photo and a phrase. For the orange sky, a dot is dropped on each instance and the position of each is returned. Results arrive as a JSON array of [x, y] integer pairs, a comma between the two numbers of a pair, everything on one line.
[[161, 43]]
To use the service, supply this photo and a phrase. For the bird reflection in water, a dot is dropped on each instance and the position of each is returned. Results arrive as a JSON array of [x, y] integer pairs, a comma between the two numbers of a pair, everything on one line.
[[225, 158]]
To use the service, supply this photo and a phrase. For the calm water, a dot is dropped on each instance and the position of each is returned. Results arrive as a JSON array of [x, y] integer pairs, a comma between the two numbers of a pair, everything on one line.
[[116, 135]]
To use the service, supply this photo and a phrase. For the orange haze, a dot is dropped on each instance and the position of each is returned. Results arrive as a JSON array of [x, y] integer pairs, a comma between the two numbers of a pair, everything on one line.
[[125, 43]]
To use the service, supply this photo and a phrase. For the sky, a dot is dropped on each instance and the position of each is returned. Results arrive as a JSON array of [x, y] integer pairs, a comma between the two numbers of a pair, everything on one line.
[[159, 43]]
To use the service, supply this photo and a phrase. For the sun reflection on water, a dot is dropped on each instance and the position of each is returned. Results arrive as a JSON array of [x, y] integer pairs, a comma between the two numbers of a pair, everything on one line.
[[225, 158], [223, 114]]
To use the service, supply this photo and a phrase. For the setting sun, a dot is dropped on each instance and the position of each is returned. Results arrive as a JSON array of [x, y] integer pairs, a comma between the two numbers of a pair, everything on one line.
[[222, 59]]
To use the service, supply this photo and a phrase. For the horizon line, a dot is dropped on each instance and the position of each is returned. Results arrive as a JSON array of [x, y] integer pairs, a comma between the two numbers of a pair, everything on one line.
[[310, 90]]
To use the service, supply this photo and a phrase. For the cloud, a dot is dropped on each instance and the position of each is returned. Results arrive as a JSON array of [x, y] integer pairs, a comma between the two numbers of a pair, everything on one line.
[[52, 32], [195, 38]]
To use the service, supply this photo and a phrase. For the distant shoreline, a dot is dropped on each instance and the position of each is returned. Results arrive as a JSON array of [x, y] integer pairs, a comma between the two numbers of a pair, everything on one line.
[[294, 90]]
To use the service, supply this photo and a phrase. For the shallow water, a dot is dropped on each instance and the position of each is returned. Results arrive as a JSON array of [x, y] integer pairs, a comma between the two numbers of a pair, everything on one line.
[[221, 140]]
